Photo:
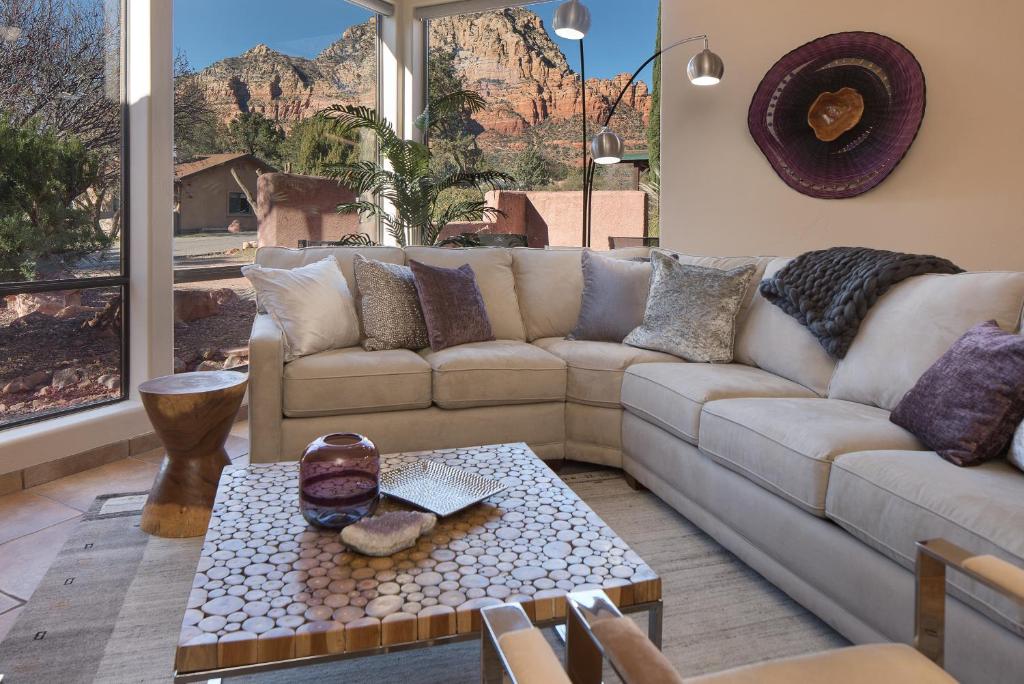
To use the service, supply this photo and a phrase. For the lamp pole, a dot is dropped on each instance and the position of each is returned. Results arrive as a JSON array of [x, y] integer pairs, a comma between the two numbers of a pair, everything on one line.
[[705, 68]]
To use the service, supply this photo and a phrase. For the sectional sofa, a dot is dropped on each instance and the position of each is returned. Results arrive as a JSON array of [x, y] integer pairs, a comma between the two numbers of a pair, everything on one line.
[[785, 457]]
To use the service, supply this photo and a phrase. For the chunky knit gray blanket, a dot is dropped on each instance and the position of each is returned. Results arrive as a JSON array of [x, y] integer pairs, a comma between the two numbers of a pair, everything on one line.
[[830, 291]]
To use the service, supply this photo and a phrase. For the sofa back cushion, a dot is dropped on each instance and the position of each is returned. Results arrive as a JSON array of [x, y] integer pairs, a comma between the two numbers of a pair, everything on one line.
[[493, 269], [914, 324], [284, 257], [771, 339]]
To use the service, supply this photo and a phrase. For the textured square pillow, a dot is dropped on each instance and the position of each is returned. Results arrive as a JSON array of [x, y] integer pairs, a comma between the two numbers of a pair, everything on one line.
[[389, 306], [691, 310], [453, 307], [968, 404], [1016, 455], [614, 297], [311, 304]]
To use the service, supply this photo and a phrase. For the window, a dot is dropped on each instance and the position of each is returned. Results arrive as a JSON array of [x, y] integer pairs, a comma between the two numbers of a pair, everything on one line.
[[238, 204], [63, 208], [531, 127], [245, 106]]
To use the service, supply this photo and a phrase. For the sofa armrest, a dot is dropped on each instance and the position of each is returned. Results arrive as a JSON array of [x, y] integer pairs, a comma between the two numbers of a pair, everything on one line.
[[934, 557], [266, 390]]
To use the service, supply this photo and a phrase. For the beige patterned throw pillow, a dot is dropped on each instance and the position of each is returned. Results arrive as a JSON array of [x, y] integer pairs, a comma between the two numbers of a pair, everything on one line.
[[691, 310], [389, 306]]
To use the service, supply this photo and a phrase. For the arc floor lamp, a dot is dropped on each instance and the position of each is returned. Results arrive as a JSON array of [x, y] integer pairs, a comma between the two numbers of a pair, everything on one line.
[[572, 22]]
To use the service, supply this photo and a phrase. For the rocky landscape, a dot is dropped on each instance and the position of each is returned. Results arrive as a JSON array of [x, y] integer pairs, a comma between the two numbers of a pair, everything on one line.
[[507, 56], [37, 375]]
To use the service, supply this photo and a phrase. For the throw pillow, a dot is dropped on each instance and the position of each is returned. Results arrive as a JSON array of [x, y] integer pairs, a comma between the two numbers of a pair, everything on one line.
[[389, 306], [614, 297], [311, 304], [453, 307], [1016, 455], [968, 404], [691, 310]]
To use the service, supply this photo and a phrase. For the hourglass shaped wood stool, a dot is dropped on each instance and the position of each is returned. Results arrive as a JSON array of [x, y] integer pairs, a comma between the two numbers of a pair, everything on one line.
[[192, 414]]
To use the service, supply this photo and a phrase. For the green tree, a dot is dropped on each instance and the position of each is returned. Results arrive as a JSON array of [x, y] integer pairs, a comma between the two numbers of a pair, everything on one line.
[[45, 216], [531, 170], [408, 192], [450, 134], [312, 147], [254, 133], [654, 126]]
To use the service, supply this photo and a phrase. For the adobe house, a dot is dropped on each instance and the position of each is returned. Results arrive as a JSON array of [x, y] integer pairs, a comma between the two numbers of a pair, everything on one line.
[[208, 198]]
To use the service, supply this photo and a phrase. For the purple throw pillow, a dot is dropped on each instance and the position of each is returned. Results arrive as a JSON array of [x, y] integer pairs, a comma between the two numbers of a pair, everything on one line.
[[968, 404], [452, 305]]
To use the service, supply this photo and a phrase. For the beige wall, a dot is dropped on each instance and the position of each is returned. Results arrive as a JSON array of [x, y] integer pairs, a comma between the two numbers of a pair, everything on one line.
[[957, 193]]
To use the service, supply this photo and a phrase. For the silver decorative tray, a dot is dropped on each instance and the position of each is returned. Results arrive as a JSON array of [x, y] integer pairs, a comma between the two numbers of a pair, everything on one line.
[[436, 487]]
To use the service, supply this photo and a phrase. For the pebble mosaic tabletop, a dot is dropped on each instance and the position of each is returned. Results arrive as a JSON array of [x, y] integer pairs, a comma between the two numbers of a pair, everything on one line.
[[269, 587]]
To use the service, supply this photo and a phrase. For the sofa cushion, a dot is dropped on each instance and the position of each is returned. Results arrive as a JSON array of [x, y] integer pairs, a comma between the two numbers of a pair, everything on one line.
[[788, 445], [495, 374], [493, 269], [549, 283], [352, 380], [672, 395], [769, 338], [914, 324], [284, 257], [596, 368], [614, 298], [892, 499]]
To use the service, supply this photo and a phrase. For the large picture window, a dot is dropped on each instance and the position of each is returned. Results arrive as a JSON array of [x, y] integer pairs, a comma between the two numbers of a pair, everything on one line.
[[63, 214], [246, 130], [531, 126]]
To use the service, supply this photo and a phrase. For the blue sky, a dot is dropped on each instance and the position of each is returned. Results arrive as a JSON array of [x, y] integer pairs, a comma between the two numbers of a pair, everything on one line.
[[209, 30]]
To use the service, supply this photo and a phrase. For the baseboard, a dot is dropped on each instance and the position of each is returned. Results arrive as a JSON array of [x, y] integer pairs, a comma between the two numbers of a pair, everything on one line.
[[86, 460]]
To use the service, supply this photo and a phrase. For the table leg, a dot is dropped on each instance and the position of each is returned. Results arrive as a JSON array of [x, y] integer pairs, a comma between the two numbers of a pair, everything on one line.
[[654, 621]]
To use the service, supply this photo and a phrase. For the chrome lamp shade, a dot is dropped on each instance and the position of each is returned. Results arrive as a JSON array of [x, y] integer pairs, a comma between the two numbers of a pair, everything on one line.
[[572, 20], [705, 68], [607, 147]]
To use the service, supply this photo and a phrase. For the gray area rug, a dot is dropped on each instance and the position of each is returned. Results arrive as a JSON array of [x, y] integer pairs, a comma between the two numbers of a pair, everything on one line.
[[110, 607]]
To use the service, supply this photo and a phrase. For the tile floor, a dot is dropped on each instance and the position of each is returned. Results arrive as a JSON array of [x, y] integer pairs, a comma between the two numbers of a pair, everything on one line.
[[34, 523]]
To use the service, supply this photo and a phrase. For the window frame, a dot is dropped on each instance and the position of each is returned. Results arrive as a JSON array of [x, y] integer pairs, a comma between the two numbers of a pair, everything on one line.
[[120, 281]]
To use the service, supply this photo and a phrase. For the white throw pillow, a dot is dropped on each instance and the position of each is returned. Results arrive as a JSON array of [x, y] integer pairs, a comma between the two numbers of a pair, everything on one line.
[[311, 304], [1016, 455]]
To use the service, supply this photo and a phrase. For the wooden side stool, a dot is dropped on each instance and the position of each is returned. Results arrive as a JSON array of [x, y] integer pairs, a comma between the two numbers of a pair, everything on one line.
[[192, 414]]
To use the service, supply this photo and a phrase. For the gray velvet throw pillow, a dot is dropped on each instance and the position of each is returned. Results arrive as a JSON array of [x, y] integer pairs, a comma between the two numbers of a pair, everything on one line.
[[691, 310], [452, 305], [614, 298], [389, 307]]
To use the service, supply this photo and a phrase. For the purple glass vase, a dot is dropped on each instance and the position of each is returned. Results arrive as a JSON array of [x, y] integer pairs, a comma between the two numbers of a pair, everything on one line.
[[339, 480]]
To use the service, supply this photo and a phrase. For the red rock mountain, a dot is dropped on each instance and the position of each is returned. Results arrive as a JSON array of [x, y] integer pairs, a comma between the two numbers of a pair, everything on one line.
[[507, 56]]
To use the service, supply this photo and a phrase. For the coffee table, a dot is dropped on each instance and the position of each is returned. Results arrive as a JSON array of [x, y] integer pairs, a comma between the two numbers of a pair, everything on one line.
[[272, 592]]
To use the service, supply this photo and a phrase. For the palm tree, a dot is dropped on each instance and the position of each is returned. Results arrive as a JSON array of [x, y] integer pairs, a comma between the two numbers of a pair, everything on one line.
[[407, 195]]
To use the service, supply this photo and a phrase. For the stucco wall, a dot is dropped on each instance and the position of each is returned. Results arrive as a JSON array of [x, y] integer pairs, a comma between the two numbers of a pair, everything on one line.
[[204, 198], [555, 217], [956, 194], [292, 208]]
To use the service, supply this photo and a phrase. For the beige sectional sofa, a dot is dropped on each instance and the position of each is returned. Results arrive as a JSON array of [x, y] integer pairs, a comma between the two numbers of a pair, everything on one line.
[[785, 457]]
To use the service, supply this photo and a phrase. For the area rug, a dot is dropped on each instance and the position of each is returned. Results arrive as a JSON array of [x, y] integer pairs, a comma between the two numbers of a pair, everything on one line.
[[110, 607]]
